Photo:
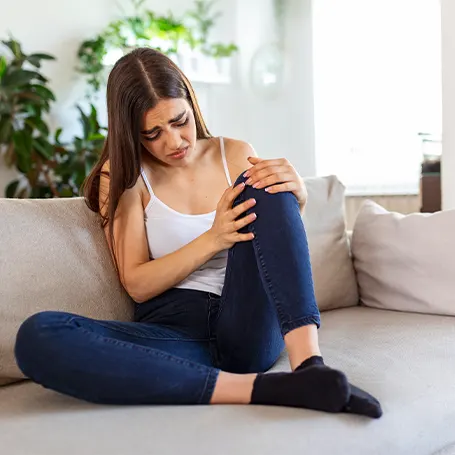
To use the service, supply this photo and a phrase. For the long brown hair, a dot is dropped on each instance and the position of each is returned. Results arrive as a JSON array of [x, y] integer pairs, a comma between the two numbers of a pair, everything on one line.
[[138, 81]]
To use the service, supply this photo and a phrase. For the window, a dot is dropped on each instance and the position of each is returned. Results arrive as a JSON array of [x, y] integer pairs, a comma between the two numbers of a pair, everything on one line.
[[377, 90]]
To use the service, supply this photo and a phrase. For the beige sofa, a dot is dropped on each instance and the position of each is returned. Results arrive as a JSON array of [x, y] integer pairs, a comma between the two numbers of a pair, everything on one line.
[[53, 255]]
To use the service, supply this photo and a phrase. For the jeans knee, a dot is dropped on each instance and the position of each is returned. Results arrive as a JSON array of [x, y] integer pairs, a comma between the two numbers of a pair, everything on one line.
[[32, 339], [285, 198]]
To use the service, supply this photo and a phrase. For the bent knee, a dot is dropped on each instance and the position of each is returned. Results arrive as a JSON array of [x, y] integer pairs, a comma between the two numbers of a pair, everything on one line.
[[250, 192], [34, 335]]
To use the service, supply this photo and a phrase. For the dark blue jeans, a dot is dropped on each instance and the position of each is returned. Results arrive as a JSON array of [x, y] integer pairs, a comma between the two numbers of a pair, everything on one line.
[[181, 339]]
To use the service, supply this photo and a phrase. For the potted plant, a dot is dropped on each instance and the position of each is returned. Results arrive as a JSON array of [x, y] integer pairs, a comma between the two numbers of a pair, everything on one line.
[[25, 98], [184, 40], [47, 167]]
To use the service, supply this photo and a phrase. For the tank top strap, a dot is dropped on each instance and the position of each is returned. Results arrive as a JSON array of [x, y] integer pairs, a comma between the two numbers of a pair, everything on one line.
[[223, 156], [146, 181]]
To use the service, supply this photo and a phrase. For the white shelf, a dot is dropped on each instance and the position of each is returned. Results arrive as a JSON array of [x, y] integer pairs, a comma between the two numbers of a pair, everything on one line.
[[202, 69]]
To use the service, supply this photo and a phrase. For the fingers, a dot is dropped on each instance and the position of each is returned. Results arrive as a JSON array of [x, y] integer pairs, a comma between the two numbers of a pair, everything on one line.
[[282, 188], [261, 173], [239, 224], [244, 237], [243, 207], [263, 164], [273, 179], [255, 159], [229, 196]]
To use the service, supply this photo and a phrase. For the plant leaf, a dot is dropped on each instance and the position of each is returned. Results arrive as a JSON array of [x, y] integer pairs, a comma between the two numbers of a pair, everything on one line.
[[96, 137], [5, 129], [43, 148], [41, 56], [43, 92], [18, 78], [39, 124], [10, 190], [85, 122], [3, 65], [23, 146], [57, 136], [15, 48]]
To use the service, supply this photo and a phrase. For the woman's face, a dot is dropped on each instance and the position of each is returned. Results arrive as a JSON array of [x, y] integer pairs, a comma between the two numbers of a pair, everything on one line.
[[169, 131]]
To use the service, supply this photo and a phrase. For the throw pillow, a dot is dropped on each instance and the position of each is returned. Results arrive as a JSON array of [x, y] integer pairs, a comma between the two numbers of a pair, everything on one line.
[[405, 262]]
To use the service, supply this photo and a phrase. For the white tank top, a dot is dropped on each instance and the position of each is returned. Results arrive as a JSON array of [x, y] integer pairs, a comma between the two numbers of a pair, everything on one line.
[[168, 230]]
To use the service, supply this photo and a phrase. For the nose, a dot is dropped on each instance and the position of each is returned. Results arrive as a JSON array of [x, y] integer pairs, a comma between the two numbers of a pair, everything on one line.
[[173, 140]]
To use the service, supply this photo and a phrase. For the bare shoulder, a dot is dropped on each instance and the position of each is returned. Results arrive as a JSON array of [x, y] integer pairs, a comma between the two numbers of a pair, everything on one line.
[[237, 153], [106, 167], [128, 197]]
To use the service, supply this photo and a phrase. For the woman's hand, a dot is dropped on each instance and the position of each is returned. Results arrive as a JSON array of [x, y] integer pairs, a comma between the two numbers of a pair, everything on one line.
[[223, 232], [276, 176]]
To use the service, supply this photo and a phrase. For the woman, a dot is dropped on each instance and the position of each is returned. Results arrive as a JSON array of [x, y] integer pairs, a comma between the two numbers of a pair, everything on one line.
[[220, 272]]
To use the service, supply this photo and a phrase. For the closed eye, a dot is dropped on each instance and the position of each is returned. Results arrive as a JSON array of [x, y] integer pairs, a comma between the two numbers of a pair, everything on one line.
[[178, 125]]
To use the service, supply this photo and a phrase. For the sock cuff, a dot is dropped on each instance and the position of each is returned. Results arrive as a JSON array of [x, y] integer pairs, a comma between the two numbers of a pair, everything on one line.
[[314, 360]]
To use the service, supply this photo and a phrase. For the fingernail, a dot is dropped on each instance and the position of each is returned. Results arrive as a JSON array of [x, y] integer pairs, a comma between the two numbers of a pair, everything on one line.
[[247, 174], [248, 182], [266, 189], [256, 185], [253, 201], [254, 215]]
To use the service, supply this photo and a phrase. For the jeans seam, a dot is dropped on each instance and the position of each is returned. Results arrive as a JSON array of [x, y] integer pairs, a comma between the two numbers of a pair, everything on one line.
[[153, 351], [262, 268]]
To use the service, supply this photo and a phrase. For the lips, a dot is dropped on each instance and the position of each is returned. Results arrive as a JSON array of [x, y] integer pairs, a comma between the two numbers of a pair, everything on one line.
[[179, 153]]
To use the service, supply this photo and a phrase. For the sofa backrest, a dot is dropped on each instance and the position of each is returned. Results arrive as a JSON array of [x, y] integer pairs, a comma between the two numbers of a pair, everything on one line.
[[53, 256]]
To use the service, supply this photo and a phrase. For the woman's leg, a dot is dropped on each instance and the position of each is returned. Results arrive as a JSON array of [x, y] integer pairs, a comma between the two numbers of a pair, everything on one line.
[[114, 362], [269, 299]]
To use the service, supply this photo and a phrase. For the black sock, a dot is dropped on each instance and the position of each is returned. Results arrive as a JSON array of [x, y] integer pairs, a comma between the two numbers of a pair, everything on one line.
[[360, 402], [317, 387]]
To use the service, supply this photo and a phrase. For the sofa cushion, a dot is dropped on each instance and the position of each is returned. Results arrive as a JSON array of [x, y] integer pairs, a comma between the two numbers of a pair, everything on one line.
[[53, 256], [405, 262], [333, 272], [405, 360]]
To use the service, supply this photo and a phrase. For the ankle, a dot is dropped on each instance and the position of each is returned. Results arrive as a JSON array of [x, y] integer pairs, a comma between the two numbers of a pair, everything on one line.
[[300, 357], [301, 344], [233, 388], [313, 360]]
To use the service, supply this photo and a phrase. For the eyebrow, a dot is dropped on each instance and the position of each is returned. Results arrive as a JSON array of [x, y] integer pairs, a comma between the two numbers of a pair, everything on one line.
[[172, 120]]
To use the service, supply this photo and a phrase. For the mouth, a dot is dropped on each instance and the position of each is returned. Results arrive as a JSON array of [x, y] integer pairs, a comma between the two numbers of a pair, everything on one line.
[[179, 154]]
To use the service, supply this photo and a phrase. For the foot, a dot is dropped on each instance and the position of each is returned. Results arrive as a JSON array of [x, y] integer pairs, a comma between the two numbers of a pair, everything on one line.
[[317, 387], [359, 402]]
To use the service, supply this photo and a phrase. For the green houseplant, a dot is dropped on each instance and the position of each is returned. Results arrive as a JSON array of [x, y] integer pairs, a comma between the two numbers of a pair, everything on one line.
[[47, 167], [25, 98], [146, 28]]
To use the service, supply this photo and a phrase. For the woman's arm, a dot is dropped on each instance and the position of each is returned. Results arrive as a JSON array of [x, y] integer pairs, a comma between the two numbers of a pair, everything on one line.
[[143, 278], [151, 278]]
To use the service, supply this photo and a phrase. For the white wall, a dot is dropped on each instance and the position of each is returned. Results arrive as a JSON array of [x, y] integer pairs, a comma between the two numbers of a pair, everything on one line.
[[277, 127], [448, 101]]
